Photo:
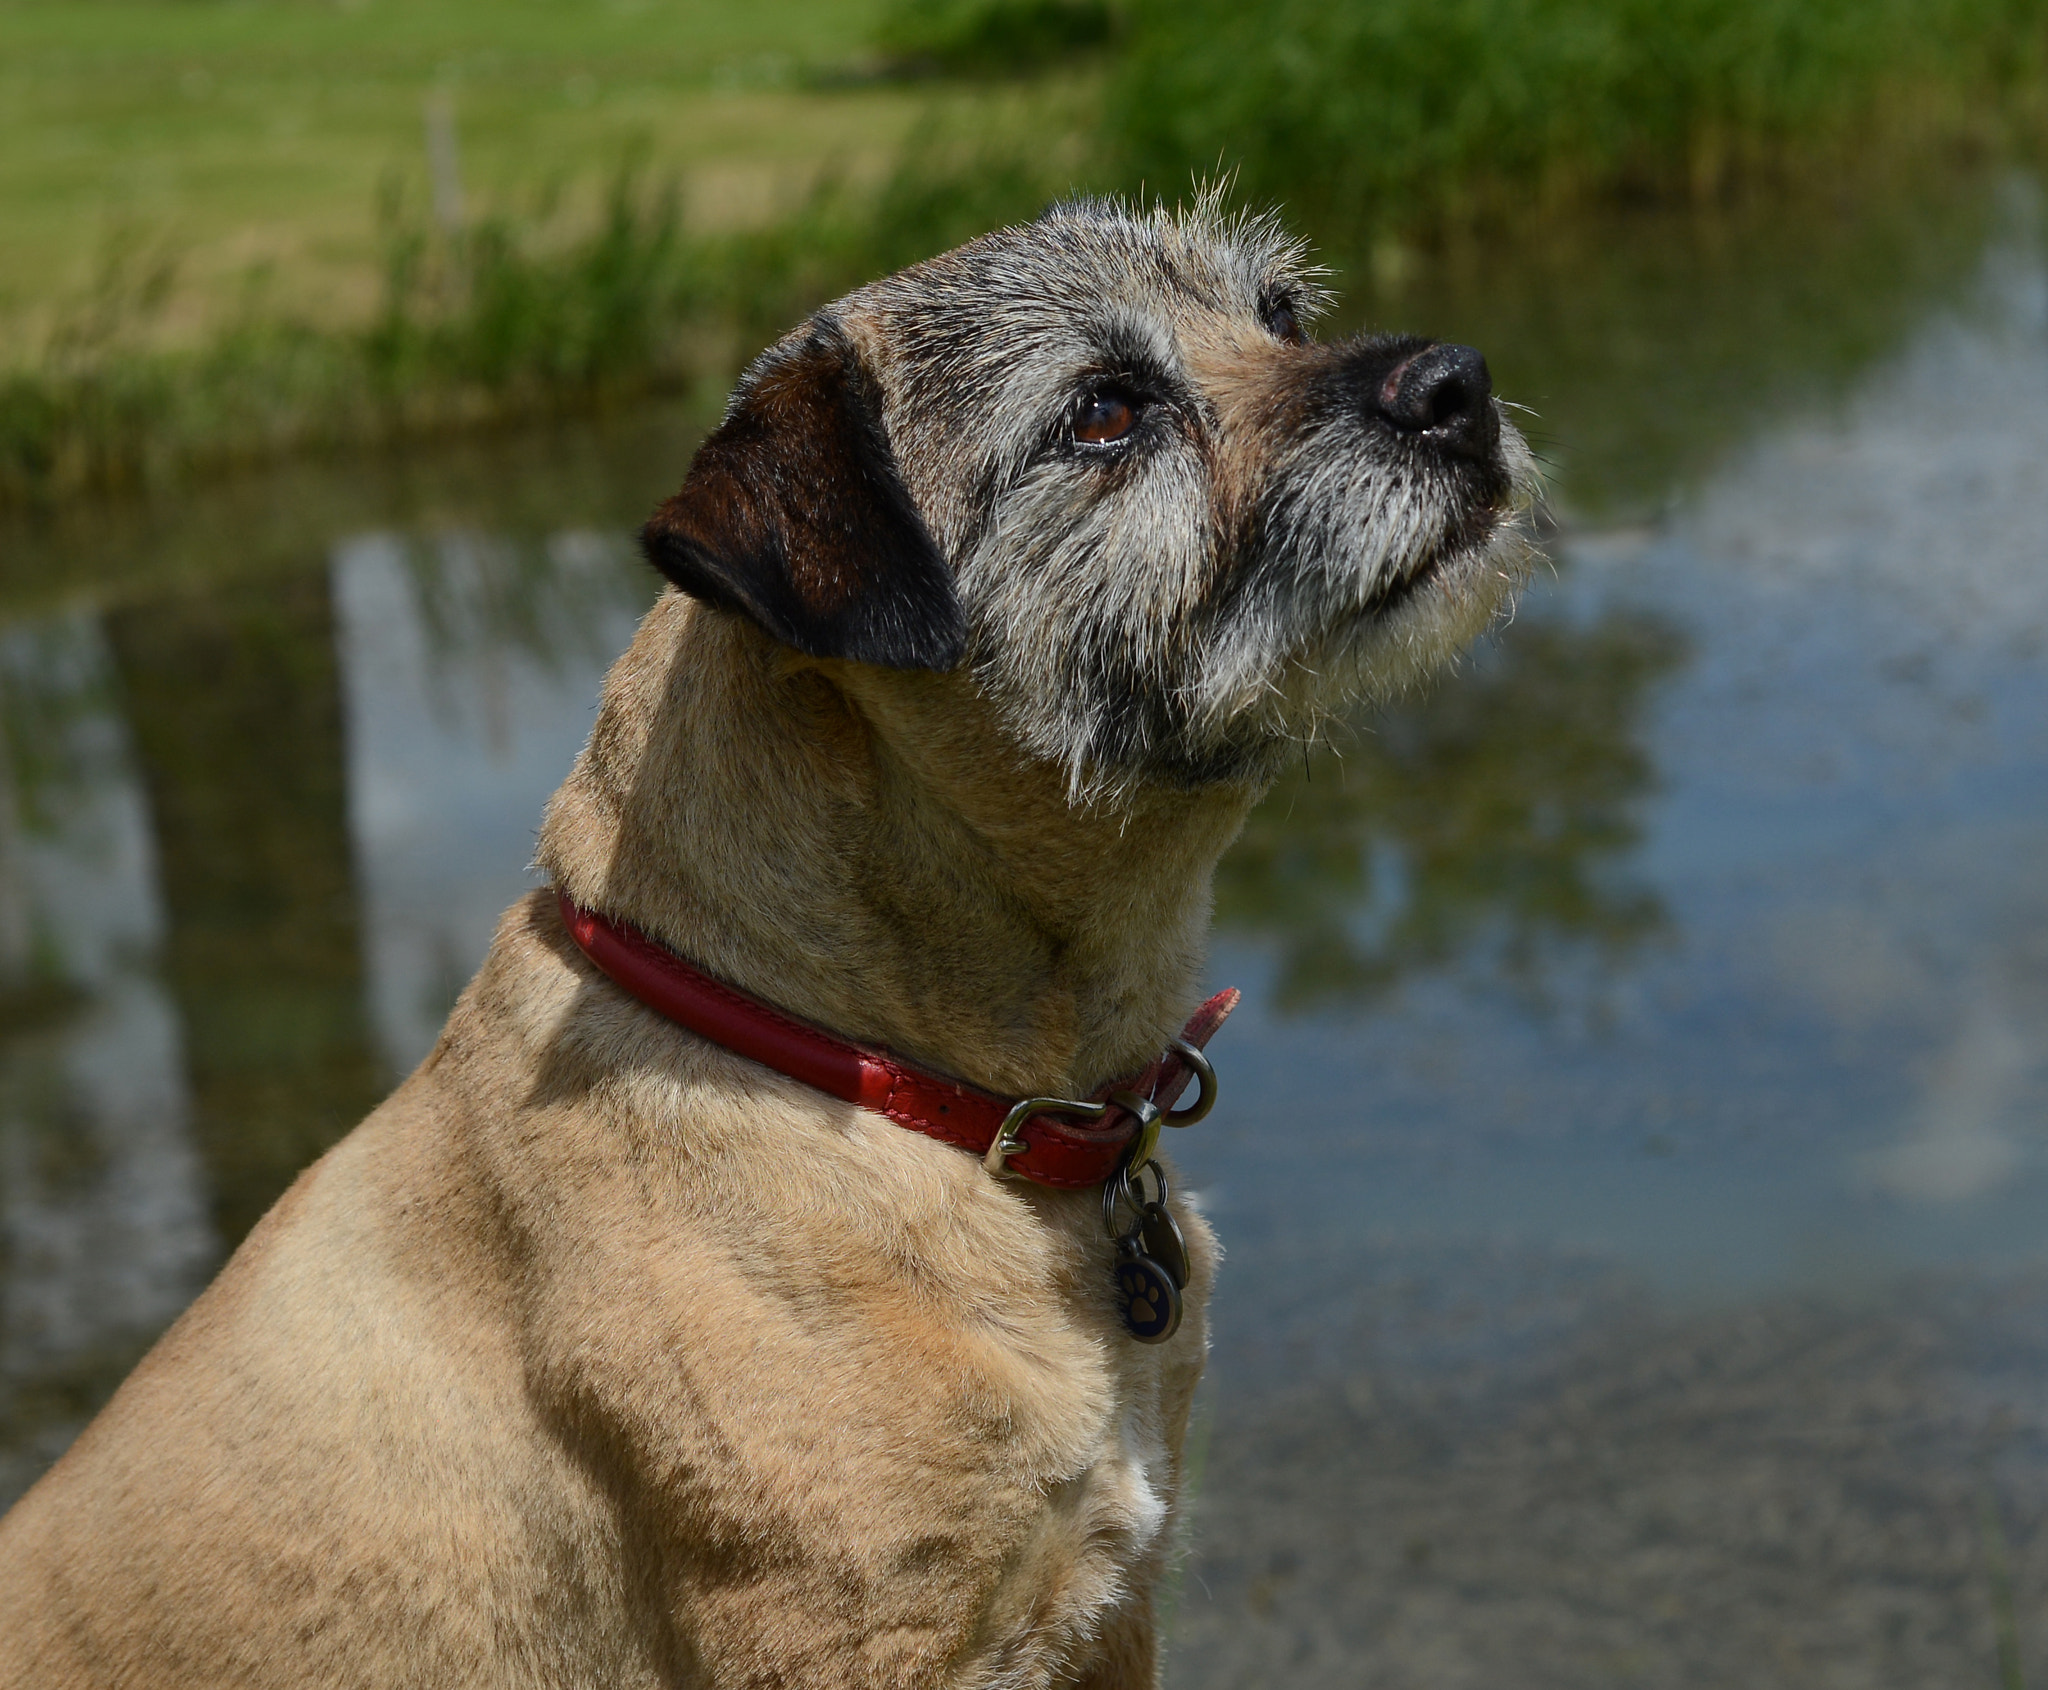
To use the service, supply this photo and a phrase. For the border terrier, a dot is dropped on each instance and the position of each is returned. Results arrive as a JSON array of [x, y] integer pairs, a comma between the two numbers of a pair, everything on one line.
[[603, 1354]]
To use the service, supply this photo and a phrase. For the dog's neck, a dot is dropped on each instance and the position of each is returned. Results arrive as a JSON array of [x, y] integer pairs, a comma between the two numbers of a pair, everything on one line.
[[863, 848]]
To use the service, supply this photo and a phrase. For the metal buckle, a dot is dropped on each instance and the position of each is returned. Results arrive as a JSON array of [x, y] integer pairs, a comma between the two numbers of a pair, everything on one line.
[[1151, 1117], [1007, 1142]]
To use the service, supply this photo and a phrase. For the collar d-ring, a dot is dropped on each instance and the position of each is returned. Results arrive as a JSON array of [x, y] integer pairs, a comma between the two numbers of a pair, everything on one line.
[[1205, 1075]]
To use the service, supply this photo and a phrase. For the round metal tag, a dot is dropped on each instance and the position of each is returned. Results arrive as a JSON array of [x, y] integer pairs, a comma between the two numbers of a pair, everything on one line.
[[1147, 1298]]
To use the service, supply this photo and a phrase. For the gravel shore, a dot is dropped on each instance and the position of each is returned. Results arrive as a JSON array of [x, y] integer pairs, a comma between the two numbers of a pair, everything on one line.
[[1794, 1494]]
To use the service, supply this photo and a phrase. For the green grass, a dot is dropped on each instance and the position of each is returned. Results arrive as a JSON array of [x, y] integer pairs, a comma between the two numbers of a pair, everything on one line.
[[201, 265], [251, 136], [496, 319]]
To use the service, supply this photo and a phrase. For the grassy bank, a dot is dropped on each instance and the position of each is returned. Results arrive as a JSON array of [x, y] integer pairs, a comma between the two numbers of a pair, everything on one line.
[[1406, 136], [1406, 115], [518, 316], [475, 327]]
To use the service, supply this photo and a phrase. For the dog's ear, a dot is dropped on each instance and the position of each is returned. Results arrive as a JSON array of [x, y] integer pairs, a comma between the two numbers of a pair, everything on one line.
[[793, 514]]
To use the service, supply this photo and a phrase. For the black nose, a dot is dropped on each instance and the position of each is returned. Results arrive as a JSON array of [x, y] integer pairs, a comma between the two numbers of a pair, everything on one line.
[[1444, 391]]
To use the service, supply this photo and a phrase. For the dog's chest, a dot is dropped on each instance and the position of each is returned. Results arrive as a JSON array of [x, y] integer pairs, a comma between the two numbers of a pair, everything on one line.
[[1081, 1571], [946, 1555], [1083, 1561], [1018, 1522], [866, 1407]]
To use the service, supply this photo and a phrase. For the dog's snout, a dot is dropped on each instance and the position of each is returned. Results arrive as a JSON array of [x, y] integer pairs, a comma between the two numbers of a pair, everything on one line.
[[1446, 392]]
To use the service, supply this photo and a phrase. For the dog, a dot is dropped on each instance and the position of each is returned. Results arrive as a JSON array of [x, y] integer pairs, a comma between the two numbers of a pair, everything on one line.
[[604, 1353]]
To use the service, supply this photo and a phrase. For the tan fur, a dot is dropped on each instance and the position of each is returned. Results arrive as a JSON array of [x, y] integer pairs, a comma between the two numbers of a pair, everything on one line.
[[642, 1365], [599, 1355]]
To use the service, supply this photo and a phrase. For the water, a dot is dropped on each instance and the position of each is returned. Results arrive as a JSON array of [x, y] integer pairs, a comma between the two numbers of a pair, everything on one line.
[[1634, 1148]]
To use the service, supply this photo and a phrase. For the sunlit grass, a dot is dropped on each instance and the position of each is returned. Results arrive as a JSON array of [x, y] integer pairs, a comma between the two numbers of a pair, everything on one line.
[[250, 139]]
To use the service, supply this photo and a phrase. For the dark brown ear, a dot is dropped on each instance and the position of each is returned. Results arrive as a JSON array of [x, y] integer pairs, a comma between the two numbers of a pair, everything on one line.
[[793, 514]]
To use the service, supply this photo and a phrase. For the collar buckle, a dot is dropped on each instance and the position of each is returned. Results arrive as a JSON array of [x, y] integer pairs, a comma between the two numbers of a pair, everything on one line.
[[1150, 1115], [1009, 1141]]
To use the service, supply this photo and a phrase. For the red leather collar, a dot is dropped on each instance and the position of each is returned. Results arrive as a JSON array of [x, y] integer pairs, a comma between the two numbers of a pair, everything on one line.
[[1059, 1153]]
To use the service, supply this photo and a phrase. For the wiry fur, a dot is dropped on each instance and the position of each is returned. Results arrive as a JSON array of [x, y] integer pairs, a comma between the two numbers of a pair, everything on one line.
[[1180, 616], [600, 1355]]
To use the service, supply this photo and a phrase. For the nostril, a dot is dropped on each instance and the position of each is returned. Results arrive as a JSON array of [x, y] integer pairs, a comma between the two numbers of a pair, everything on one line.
[[1444, 387], [1444, 401]]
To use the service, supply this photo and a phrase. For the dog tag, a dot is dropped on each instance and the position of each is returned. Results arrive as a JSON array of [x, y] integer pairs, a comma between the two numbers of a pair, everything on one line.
[[1159, 1237], [1146, 1297]]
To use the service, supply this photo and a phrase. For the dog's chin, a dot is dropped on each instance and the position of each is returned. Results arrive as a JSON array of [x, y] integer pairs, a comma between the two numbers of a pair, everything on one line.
[[1405, 633], [1410, 627], [1466, 545]]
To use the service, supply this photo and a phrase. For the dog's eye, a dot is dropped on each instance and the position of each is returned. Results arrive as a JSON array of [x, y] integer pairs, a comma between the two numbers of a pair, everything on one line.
[[1281, 320], [1104, 418]]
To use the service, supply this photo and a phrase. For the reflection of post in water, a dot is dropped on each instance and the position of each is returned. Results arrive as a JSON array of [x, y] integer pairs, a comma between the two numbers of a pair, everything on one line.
[[1483, 825], [235, 703]]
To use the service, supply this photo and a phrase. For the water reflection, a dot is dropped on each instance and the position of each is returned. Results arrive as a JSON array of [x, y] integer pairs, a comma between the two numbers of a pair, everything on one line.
[[472, 670], [1489, 825], [104, 1225], [233, 701], [253, 838]]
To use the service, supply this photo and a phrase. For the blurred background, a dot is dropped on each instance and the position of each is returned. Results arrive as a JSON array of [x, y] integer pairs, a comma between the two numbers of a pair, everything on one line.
[[1634, 1148]]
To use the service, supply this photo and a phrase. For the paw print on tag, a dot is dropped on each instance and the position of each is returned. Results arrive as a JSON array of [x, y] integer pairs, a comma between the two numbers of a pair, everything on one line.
[[1148, 1299]]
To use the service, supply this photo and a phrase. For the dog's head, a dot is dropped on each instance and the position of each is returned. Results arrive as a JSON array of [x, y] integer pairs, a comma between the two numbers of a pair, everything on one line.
[[1097, 464]]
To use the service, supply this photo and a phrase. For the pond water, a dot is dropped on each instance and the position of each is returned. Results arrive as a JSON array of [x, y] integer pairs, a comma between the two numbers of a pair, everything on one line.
[[1634, 1149]]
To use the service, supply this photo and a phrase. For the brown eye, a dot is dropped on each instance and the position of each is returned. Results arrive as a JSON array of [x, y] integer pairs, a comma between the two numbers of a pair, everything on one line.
[[1281, 320], [1104, 418]]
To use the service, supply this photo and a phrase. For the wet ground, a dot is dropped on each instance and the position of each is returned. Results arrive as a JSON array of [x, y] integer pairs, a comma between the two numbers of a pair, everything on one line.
[[1634, 1154]]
